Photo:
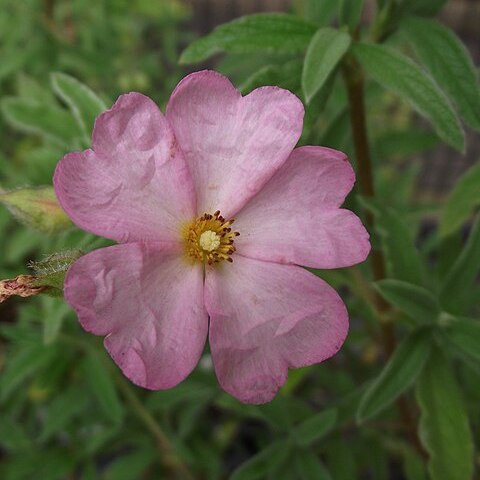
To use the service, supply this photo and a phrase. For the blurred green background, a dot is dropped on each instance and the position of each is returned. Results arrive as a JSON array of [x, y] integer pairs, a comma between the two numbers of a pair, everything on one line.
[[65, 411]]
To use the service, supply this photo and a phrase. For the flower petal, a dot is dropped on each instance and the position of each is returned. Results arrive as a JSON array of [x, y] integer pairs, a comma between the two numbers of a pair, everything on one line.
[[148, 303], [232, 144], [295, 218], [266, 317], [136, 185]]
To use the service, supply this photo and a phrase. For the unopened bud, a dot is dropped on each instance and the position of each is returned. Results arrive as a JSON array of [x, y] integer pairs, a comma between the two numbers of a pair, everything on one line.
[[37, 207]]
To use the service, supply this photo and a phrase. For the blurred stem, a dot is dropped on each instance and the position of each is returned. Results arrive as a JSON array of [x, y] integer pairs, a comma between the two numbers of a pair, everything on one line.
[[353, 75], [170, 458], [354, 80]]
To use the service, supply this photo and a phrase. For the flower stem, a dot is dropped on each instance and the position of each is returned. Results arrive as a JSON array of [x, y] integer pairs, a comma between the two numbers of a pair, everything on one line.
[[171, 460], [354, 80], [353, 75]]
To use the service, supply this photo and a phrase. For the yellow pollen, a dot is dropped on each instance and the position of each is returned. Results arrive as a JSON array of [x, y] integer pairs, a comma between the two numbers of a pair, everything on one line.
[[210, 239]]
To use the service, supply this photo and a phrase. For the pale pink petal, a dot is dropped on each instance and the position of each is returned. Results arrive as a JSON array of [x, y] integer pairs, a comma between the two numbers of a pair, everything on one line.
[[149, 305], [136, 185], [266, 317], [295, 218], [232, 144]]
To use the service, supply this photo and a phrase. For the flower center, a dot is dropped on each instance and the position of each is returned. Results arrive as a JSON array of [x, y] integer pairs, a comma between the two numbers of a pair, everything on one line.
[[210, 239]]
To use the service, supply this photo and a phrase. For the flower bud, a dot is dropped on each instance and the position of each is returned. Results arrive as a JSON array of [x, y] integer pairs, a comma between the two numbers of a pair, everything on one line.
[[36, 207]]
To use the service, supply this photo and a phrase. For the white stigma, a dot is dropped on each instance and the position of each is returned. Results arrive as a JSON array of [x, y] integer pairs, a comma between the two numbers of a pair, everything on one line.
[[209, 241]]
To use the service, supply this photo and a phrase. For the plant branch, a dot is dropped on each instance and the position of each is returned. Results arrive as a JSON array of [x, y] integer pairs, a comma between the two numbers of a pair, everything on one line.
[[355, 89], [171, 460], [354, 79]]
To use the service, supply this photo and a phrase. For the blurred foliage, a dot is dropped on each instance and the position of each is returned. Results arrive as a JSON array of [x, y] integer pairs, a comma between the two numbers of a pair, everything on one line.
[[65, 410]]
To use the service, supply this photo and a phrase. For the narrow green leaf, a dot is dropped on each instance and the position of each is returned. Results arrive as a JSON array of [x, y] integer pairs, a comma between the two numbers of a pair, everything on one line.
[[444, 428], [130, 465], [14, 434], [417, 302], [102, 387], [315, 427], [263, 32], [397, 376], [49, 121], [401, 75], [427, 8], [61, 411], [413, 465], [350, 13], [340, 458], [464, 333], [326, 49], [55, 310], [309, 466], [449, 62], [460, 278], [83, 103], [263, 462], [23, 364], [465, 197], [402, 258]]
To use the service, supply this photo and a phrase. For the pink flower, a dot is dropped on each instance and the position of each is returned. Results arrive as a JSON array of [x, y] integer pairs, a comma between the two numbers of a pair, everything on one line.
[[180, 272]]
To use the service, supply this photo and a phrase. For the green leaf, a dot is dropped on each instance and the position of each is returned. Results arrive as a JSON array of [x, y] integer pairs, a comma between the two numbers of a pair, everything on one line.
[[36, 207], [49, 121], [465, 197], [413, 466], [417, 302], [460, 278], [263, 32], [397, 376], [401, 75], [61, 411], [404, 143], [327, 48], [402, 258], [14, 434], [350, 13], [449, 62], [464, 333], [285, 75], [263, 462], [315, 427], [340, 458], [83, 103], [444, 428], [102, 387], [427, 8], [319, 12], [23, 364], [55, 311], [131, 465], [309, 466]]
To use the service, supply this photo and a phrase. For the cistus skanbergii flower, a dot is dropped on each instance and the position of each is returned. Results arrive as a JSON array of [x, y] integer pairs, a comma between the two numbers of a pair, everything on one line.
[[213, 210]]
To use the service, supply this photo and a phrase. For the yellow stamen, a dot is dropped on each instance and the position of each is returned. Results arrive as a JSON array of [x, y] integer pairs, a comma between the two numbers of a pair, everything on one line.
[[210, 239]]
